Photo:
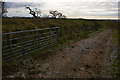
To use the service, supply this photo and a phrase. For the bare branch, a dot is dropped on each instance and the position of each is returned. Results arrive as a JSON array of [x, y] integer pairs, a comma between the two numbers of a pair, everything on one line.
[[32, 12]]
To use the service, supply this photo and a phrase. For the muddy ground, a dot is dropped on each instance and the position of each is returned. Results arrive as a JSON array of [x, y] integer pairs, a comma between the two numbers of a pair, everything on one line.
[[87, 58]]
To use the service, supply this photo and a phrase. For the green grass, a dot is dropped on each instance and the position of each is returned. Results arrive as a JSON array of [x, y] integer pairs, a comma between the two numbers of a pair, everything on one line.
[[116, 64], [70, 30], [116, 39]]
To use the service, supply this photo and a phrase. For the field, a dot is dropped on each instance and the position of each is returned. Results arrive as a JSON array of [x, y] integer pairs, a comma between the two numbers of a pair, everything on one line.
[[70, 30]]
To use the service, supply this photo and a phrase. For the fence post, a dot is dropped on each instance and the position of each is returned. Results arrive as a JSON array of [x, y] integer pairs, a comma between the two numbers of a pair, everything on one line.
[[58, 35], [1, 54]]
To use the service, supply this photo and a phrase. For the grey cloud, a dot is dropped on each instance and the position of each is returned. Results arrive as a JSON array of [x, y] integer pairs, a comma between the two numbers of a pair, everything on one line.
[[17, 11], [22, 4]]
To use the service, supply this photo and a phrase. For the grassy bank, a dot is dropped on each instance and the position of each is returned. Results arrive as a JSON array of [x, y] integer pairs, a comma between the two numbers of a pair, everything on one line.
[[116, 65], [116, 40], [70, 30]]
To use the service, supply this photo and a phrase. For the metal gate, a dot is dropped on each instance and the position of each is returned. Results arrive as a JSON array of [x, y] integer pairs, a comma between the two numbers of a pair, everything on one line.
[[20, 43]]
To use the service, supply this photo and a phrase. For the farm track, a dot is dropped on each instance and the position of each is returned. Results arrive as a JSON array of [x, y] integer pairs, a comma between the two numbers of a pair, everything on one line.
[[87, 58]]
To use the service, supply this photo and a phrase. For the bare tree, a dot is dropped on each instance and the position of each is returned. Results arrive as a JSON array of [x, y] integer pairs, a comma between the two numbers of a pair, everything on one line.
[[4, 9], [35, 12], [56, 14]]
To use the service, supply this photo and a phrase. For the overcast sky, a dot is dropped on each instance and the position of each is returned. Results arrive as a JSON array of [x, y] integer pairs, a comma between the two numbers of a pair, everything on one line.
[[93, 9]]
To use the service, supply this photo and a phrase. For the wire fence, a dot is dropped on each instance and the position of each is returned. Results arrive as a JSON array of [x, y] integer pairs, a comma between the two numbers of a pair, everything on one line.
[[20, 43]]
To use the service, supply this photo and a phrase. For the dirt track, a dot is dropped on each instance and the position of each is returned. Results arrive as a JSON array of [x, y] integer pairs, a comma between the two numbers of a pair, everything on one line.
[[87, 58]]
